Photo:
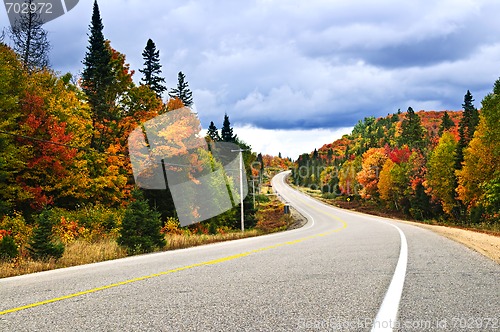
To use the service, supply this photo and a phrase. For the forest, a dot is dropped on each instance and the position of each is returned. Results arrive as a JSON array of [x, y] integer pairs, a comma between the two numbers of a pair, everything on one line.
[[440, 166], [66, 179]]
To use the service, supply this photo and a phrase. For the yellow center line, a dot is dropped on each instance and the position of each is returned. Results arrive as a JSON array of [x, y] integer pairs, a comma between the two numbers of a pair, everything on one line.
[[179, 269]]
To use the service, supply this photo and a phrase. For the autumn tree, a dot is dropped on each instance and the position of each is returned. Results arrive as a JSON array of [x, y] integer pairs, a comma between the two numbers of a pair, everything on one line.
[[97, 77], [412, 132], [467, 127], [30, 39], [12, 155], [348, 182], [440, 178], [478, 179], [385, 183], [368, 177], [121, 84], [227, 131], [152, 69], [182, 91], [394, 183], [49, 157]]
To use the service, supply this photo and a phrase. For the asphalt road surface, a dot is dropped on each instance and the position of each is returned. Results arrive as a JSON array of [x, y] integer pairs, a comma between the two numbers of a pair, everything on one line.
[[342, 271]]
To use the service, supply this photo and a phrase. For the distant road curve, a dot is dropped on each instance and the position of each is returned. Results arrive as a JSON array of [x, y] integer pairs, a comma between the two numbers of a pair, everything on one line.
[[342, 271]]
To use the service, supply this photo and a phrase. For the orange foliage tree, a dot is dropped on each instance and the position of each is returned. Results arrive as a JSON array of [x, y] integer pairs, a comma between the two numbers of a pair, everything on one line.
[[373, 161]]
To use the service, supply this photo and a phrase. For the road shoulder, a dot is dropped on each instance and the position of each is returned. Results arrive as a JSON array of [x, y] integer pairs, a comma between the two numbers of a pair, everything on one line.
[[485, 244]]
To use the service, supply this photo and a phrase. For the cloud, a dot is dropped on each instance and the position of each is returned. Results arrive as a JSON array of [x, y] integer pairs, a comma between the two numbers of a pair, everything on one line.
[[290, 143], [276, 64]]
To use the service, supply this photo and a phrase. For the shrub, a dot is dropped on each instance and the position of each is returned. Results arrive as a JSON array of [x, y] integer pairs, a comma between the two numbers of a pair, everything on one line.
[[140, 232], [271, 218], [17, 227], [41, 246], [8, 248], [172, 226], [68, 231], [94, 218], [212, 228]]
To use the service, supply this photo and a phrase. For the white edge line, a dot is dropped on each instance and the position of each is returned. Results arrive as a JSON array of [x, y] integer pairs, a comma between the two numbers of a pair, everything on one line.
[[388, 312]]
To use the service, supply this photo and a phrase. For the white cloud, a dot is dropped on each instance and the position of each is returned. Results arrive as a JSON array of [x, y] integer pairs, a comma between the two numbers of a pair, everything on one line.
[[291, 143]]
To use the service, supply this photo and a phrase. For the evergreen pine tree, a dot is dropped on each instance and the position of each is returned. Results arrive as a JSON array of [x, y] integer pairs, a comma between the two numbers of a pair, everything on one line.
[[97, 76], [140, 232], [412, 132], [152, 69], [466, 127], [330, 155], [446, 123], [30, 39], [315, 154], [41, 245], [227, 130], [182, 91], [213, 133], [8, 248]]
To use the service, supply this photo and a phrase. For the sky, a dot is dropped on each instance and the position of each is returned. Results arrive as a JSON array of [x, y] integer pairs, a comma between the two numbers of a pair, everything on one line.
[[294, 75]]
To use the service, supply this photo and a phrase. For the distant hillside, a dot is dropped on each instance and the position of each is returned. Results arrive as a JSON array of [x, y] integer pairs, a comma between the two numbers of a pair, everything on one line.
[[426, 164], [372, 132]]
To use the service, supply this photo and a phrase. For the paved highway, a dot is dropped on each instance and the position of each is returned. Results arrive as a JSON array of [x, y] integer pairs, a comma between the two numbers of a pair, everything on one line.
[[342, 271]]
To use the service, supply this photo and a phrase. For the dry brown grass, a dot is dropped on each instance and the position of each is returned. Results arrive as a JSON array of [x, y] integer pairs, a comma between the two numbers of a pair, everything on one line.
[[179, 241], [76, 253], [82, 252]]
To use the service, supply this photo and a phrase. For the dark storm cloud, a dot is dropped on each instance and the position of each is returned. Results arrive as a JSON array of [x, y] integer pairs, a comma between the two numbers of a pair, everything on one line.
[[280, 64]]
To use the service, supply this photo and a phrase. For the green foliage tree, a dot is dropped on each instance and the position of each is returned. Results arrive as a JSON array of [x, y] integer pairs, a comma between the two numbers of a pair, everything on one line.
[[466, 127], [97, 77], [440, 176], [152, 69], [227, 131], [446, 124], [42, 246], [412, 132], [30, 39], [182, 91], [12, 155], [140, 232]]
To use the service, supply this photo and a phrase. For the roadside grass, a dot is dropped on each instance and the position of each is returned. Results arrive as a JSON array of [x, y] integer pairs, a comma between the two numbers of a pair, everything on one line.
[[88, 250], [180, 241], [81, 252], [76, 253]]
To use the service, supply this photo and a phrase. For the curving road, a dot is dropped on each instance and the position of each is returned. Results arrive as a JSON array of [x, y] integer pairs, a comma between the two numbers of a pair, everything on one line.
[[342, 271]]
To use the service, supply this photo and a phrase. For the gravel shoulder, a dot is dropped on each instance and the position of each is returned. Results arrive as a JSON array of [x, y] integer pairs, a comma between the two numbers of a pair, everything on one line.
[[485, 244]]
